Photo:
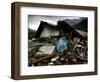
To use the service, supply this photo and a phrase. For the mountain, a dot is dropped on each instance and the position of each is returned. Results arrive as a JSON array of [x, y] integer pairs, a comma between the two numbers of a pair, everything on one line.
[[73, 22], [80, 23], [83, 25]]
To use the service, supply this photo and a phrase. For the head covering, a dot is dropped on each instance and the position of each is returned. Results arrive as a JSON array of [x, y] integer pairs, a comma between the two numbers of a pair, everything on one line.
[[62, 44]]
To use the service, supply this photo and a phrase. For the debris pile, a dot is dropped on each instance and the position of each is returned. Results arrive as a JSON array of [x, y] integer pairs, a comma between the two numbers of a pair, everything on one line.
[[63, 45]]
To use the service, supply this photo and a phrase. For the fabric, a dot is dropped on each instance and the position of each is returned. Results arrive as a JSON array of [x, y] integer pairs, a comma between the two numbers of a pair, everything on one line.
[[62, 44]]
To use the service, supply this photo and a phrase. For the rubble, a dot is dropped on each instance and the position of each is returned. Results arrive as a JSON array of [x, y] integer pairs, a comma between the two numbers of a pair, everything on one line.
[[66, 48]]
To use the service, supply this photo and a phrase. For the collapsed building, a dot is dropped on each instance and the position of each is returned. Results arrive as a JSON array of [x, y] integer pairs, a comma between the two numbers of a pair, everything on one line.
[[59, 44]]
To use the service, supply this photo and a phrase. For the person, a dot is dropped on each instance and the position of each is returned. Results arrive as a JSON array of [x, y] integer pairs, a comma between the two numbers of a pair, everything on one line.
[[62, 44]]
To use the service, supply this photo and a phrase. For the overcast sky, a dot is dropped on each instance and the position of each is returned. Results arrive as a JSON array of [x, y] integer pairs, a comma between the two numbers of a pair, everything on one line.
[[34, 20]]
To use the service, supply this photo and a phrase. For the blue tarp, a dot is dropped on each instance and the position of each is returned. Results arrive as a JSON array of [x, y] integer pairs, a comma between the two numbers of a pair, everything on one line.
[[62, 44]]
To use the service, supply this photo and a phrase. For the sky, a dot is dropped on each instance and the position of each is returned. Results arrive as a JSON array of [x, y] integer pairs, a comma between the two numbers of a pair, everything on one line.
[[34, 20]]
